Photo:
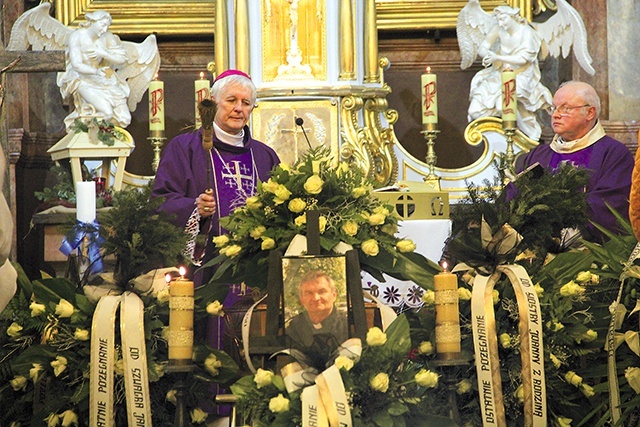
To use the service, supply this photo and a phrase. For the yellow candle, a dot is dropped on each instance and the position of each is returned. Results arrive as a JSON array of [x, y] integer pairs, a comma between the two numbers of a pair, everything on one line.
[[429, 98], [447, 314], [203, 91], [181, 320], [509, 98], [156, 105]]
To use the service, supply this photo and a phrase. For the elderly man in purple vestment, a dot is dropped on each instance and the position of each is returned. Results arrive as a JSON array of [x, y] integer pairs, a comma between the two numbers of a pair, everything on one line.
[[581, 140], [231, 169]]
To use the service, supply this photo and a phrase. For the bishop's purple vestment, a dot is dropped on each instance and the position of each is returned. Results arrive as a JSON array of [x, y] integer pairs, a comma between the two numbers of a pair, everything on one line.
[[610, 164]]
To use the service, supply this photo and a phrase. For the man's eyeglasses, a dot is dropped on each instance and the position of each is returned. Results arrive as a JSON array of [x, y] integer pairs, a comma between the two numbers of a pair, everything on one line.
[[564, 110]]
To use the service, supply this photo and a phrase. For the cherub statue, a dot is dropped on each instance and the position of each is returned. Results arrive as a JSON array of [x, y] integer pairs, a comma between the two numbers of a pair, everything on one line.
[[104, 76], [505, 39]]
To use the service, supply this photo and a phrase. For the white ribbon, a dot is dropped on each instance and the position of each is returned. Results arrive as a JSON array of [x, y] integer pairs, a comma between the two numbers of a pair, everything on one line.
[[103, 360], [531, 348], [313, 412], [246, 328], [334, 398]]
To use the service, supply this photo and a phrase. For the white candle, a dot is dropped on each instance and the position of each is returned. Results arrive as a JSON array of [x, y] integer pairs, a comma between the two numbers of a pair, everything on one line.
[[429, 98], [202, 91], [85, 201], [509, 99]]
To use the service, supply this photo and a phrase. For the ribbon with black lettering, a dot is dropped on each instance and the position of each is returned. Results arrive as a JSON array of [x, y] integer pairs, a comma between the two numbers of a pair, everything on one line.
[[531, 348], [334, 397], [102, 361], [134, 357]]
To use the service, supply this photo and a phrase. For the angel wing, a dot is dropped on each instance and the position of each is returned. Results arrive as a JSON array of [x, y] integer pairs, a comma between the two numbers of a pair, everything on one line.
[[562, 31], [143, 63], [38, 29], [472, 27]]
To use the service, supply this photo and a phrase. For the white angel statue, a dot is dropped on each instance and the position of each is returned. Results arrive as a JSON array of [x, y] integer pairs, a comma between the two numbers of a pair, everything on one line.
[[505, 39], [104, 76]]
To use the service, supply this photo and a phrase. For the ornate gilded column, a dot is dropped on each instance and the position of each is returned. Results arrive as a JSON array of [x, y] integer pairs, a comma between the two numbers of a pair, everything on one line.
[[242, 36], [347, 41], [371, 69], [221, 37]]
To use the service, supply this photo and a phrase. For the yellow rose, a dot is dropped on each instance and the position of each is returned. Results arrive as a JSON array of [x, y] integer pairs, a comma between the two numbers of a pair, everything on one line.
[[59, 365], [268, 243], [343, 362], [583, 277], [375, 337], [164, 296], [279, 404], [118, 367], [539, 289], [370, 247], [53, 420], [563, 422], [587, 390], [253, 202], [231, 251], [376, 219], [285, 166], [322, 223], [505, 340], [34, 373], [220, 241], [380, 382], [572, 289], [171, 396], [282, 194], [406, 245], [215, 308], [269, 186], [595, 279], [19, 382], [556, 362], [297, 205], [263, 377], [36, 309], [81, 334], [632, 374], [573, 378], [464, 386], [555, 326], [313, 184], [301, 220], [257, 231], [381, 210], [198, 416], [211, 364], [64, 308], [69, 418], [588, 336], [426, 378], [359, 192], [519, 393], [14, 330], [495, 296], [425, 348], [350, 228], [464, 294], [429, 297]]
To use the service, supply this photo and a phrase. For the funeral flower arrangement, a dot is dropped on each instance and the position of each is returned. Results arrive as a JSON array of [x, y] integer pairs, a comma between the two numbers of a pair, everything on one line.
[[576, 290], [46, 329], [383, 385], [349, 212]]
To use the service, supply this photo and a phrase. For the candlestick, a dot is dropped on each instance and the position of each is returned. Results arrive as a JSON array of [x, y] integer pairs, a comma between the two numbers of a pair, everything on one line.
[[156, 105], [181, 307], [202, 91], [429, 99], [85, 201], [509, 99], [447, 315]]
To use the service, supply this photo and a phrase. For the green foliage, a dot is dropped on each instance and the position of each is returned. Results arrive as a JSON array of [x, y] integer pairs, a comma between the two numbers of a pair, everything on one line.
[[107, 133], [62, 190], [139, 235]]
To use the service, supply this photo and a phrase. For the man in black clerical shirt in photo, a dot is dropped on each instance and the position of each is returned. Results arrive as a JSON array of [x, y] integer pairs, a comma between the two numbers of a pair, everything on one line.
[[320, 324]]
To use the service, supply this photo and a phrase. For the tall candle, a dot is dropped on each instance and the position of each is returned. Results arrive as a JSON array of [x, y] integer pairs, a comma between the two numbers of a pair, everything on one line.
[[429, 98], [447, 314], [85, 201], [181, 307], [509, 98], [156, 105], [203, 91]]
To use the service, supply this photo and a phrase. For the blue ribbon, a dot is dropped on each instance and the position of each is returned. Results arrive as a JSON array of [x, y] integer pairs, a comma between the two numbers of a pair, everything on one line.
[[73, 239]]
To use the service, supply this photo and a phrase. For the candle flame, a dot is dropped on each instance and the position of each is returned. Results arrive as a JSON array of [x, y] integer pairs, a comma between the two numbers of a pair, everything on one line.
[[183, 271], [201, 75], [445, 265], [155, 76], [167, 278], [428, 70]]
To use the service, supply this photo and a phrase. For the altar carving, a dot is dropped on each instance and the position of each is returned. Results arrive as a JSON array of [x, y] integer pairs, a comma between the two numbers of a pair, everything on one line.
[[504, 39]]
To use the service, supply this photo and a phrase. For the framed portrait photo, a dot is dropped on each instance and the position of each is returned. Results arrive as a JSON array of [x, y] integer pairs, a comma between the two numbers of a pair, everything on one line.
[[315, 302]]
